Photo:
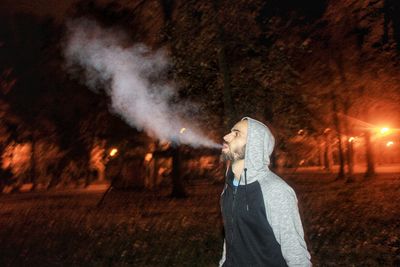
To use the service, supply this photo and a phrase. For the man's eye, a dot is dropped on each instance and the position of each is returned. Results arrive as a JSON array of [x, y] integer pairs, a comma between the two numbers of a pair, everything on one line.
[[236, 134]]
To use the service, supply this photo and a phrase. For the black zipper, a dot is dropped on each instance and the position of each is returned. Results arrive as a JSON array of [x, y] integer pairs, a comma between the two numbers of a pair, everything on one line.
[[233, 207]]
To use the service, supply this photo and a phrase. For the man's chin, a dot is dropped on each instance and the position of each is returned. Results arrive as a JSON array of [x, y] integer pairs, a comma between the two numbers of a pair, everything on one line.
[[226, 156]]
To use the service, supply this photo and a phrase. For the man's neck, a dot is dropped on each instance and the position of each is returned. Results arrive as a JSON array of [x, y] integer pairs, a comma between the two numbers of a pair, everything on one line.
[[237, 168]]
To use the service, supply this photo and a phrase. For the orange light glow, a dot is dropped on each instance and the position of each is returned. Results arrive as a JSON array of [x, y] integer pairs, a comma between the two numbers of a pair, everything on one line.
[[148, 157], [113, 152], [385, 130], [352, 139], [390, 143]]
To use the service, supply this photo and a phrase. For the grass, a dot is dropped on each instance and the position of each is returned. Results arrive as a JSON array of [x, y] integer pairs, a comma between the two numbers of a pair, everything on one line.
[[352, 224]]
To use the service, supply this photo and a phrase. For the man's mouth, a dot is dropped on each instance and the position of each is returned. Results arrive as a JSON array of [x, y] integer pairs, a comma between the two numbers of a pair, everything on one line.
[[225, 146]]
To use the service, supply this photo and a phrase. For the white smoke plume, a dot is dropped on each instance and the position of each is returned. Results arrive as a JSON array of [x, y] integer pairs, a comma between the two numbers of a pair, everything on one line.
[[131, 76]]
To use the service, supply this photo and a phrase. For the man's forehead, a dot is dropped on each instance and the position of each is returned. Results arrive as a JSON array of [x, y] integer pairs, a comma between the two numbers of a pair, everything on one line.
[[241, 126]]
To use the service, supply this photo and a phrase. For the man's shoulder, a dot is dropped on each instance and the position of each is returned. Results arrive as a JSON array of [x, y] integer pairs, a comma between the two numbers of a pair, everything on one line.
[[275, 186]]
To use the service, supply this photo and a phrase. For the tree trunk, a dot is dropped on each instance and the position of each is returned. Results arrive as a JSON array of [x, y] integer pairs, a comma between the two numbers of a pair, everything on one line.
[[349, 146], [33, 176], [341, 173], [167, 9], [154, 174], [178, 190], [229, 109], [336, 122], [327, 153], [154, 177], [350, 161], [386, 20], [320, 156], [346, 108], [57, 172], [391, 9], [369, 155]]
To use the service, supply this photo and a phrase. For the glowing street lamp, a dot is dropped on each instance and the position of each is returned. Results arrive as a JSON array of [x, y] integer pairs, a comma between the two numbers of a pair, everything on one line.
[[148, 157], [385, 130], [113, 152]]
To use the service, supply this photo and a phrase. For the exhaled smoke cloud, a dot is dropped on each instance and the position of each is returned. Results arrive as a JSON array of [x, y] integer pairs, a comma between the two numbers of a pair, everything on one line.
[[131, 77]]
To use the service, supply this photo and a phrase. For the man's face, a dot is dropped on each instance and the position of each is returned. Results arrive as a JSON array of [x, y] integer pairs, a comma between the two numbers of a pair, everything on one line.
[[234, 146]]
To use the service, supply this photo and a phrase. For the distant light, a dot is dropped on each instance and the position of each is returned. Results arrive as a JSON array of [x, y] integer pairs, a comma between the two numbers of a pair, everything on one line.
[[148, 157], [352, 139], [390, 143], [300, 132], [182, 130], [385, 130], [113, 152]]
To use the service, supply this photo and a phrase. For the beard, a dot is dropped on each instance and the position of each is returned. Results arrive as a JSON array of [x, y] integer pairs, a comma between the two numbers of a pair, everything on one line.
[[234, 155]]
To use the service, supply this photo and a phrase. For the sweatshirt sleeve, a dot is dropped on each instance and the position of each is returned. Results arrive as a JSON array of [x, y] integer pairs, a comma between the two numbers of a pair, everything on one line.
[[222, 260], [283, 215]]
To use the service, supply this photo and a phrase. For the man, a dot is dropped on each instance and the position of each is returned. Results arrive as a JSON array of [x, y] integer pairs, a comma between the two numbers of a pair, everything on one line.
[[261, 218]]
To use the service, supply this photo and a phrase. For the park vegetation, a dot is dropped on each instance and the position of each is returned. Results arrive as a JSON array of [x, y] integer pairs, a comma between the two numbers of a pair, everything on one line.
[[323, 74]]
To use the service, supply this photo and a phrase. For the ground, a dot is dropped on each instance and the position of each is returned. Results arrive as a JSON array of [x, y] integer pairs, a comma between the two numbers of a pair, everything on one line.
[[346, 224]]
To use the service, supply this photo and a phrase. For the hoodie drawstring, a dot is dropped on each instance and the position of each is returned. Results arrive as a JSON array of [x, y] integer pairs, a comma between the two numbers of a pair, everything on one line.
[[245, 188]]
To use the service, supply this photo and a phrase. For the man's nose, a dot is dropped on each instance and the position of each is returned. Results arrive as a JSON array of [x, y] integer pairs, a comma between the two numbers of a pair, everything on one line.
[[227, 138]]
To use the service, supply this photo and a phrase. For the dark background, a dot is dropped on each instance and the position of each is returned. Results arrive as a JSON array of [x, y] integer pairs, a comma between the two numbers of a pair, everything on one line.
[[319, 73]]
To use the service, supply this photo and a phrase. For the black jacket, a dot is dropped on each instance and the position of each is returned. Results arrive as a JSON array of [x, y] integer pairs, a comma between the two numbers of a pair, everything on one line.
[[249, 237]]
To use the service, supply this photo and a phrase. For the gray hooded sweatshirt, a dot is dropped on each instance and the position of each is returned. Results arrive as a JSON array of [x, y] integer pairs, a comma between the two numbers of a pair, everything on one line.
[[261, 217]]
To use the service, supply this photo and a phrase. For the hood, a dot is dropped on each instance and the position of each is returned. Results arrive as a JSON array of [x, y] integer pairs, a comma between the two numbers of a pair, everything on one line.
[[259, 147]]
